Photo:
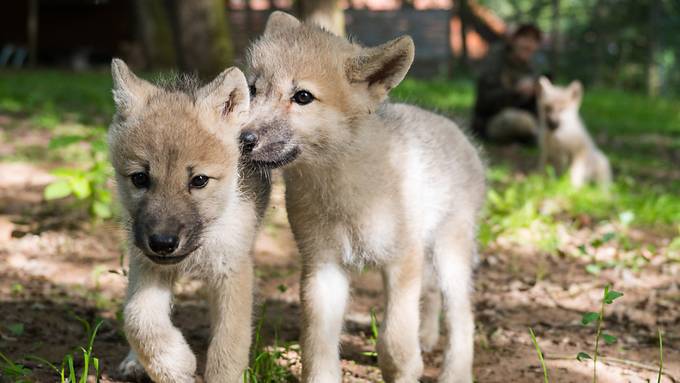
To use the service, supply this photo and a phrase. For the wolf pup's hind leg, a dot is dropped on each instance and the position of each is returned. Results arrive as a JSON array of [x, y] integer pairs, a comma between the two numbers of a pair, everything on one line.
[[398, 344], [453, 252], [430, 308]]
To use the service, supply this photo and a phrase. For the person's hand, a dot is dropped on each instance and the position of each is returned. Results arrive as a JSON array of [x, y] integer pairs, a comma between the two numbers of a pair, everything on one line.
[[526, 87]]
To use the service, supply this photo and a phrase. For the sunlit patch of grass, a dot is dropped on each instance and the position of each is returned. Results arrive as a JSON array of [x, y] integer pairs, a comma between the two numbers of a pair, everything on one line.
[[55, 96], [618, 112], [445, 95], [535, 207]]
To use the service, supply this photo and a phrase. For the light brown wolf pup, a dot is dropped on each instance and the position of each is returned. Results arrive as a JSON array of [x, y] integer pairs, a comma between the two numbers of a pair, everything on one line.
[[190, 210], [563, 138], [368, 183]]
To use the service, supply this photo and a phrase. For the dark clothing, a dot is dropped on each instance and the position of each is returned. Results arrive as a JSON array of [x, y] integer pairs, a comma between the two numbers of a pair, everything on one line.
[[496, 87]]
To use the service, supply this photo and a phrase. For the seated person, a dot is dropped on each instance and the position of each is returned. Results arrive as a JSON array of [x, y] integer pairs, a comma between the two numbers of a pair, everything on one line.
[[505, 109]]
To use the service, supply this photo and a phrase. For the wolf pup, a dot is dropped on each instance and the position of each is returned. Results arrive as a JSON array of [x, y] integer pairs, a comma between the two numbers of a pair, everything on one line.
[[189, 210], [368, 182], [563, 138]]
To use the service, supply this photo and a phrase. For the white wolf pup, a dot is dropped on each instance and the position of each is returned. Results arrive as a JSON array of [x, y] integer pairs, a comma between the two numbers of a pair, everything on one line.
[[368, 183], [563, 138], [190, 209]]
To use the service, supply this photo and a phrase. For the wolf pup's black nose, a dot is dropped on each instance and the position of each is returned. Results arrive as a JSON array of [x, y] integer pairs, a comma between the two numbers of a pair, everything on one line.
[[163, 244], [248, 141]]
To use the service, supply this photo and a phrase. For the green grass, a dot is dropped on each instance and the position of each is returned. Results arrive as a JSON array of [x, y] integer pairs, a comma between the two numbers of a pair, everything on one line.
[[52, 97], [67, 372]]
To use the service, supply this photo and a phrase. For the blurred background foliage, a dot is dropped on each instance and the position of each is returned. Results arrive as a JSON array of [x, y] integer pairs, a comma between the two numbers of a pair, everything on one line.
[[626, 44]]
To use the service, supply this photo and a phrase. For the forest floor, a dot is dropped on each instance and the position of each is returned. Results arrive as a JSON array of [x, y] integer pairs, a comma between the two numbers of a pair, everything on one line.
[[547, 252]]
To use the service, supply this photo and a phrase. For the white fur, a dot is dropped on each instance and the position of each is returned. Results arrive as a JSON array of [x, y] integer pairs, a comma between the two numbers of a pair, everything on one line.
[[159, 346], [569, 146], [327, 288]]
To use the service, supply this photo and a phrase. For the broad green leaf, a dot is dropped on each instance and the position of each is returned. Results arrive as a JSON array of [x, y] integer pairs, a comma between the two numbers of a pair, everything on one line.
[[57, 189], [609, 339], [582, 356], [611, 296], [589, 317], [594, 269], [16, 329], [66, 172], [608, 236], [81, 187], [101, 209], [582, 250]]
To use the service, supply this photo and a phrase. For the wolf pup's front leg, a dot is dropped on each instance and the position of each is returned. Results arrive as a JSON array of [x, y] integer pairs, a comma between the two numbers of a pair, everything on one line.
[[159, 345], [231, 302], [325, 288]]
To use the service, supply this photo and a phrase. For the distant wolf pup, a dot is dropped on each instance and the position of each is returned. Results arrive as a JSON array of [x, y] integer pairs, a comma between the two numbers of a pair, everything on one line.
[[563, 138], [190, 209], [368, 183]]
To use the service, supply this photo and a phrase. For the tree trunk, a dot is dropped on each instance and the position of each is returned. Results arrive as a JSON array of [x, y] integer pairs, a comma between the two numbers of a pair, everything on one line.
[[33, 7], [653, 75], [155, 34], [202, 37], [326, 13], [464, 16], [556, 42]]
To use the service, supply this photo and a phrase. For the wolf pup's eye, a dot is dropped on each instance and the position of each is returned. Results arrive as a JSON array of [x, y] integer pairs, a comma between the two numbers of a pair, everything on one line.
[[140, 180], [303, 97], [199, 181]]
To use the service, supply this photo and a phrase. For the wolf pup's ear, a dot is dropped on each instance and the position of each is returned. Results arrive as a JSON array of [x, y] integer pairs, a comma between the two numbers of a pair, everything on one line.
[[545, 83], [383, 67], [576, 90], [280, 21], [129, 91], [226, 98]]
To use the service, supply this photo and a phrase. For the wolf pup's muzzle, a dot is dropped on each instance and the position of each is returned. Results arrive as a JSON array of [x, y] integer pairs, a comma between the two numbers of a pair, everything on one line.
[[167, 244], [270, 146]]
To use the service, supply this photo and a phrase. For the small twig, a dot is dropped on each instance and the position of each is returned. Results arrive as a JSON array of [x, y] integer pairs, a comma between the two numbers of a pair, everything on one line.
[[609, 360]]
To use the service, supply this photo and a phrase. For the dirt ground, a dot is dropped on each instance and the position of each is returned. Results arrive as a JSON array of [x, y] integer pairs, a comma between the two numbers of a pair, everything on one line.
[[54, 264]]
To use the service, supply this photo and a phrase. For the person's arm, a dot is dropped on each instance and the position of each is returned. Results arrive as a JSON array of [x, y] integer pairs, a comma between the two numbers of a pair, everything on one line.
[[494, 96]]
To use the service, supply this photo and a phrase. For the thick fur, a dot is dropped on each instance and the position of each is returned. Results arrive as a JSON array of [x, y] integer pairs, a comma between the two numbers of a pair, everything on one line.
[[174, 133], [368, 183], [563, 138]]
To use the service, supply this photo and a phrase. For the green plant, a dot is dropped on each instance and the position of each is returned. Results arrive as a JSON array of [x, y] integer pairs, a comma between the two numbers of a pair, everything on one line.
[[658, 378], [608, 298], [85, 184], [16, 328], [265, 365], [373, 339], [15, 371], [88, 356], [67, 371], [540, 355]]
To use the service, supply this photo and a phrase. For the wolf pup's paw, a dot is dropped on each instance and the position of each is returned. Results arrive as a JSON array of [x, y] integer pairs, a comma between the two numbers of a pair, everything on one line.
[[130, 370], [428, 338]]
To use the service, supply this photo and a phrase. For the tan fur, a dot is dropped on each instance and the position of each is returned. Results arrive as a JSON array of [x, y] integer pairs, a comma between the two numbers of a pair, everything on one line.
[[173, 135], [563, 138], [369, 183]]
